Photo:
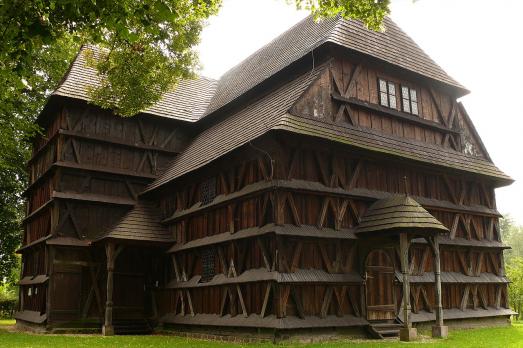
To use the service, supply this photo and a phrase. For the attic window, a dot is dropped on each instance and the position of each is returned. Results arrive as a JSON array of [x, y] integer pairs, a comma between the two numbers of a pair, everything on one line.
[[409, 100], [387, 93], [207, 258], [208, 191]]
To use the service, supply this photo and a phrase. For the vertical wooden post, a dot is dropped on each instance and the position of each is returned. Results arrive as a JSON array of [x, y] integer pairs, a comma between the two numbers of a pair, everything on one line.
[[407, 333], [439, 330], [108, 329], [50, 273]]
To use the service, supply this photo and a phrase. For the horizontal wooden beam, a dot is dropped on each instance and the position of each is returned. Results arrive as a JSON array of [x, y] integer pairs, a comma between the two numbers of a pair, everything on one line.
[[38, 211], [319, 188], [116, 141], [417, 120], [456, 313], [455, 278], [43, 148], [304, 231], [270, 321], [99, 169], [300, 276], [466, 243], [89, 168], [94, 198], [33, 243]]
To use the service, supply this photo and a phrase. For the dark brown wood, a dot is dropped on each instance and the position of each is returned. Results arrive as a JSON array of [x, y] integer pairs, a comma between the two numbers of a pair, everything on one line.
[[260, 213]]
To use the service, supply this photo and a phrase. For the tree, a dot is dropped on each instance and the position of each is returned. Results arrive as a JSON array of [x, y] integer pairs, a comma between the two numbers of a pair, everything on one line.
[[147, 46], [512, 235]]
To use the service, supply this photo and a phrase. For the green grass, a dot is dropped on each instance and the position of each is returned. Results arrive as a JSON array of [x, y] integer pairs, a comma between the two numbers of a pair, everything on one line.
[[494, 337]]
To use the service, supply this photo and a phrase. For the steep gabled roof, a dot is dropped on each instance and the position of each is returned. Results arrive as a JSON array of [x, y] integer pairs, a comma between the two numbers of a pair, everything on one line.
[[187, 102], [237, 129], [272, 113], [194, 99], [392, 46]]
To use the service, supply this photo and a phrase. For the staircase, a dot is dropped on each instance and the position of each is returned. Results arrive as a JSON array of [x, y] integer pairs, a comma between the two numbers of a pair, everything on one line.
[[384, 329], [132, 327]]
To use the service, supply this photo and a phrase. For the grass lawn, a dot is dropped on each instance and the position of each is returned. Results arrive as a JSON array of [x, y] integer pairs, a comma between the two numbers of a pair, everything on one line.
[[496, 337]]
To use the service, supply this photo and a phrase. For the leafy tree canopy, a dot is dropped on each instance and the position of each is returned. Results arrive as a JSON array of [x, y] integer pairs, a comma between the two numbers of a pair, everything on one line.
[[512, 235], [147, 46]]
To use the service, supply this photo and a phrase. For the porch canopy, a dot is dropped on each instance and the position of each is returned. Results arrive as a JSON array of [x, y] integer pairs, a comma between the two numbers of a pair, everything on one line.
[[402, 216], [399, 213]]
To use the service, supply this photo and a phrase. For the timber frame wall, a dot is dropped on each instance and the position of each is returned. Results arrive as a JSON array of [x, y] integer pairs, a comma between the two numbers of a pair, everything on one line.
[[281, 229], [277, 247], [86, 171], [284, 246]]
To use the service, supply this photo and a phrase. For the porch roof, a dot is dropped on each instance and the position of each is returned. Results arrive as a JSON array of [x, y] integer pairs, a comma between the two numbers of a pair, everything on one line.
[[399, 212]]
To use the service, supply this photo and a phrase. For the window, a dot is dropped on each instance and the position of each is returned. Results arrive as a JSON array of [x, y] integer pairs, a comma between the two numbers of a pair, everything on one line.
[[387, 93], [409, 100], [207, 256], [208, 191]]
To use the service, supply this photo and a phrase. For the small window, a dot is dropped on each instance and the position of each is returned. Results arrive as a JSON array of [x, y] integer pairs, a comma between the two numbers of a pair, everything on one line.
[[29, 291], [387, 93], [207, 257], [208, 191], [409, 100]]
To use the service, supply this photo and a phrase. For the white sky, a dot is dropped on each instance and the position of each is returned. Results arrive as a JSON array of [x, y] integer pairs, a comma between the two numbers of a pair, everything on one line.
[[479, 43]]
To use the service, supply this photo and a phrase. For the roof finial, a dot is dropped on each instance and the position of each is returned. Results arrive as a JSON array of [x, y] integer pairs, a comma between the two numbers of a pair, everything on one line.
[[406, 185]]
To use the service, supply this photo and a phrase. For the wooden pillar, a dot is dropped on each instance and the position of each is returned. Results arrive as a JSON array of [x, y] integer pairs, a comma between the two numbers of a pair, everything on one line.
[[439, 330], [407, 333], [108, 329]]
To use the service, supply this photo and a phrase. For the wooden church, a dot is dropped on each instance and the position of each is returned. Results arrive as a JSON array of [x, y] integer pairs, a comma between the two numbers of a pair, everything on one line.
[[330, 182]]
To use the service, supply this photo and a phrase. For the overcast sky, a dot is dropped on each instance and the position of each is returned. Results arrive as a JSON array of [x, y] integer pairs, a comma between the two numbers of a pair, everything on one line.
[[479, 43]]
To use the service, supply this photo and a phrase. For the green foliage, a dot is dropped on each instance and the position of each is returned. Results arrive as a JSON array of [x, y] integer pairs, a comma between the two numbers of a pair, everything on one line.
[[370, 12], [8, 300], [147, 47], [512, 235], [20, 103], [515, 274]]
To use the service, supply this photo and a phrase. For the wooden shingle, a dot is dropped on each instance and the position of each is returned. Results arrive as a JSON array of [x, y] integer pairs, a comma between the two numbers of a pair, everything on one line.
[[399, 212], [140, 224]]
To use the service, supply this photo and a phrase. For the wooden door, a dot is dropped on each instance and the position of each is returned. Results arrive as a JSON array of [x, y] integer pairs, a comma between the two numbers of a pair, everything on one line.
[[381, 301]]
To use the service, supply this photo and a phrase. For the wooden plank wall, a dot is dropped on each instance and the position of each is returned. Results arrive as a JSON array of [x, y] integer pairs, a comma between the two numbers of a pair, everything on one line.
[[349, 95], [87, 169], [325, 187]]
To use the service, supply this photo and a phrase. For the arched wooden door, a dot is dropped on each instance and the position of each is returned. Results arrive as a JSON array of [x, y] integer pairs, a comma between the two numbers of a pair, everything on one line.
[[381, 300]]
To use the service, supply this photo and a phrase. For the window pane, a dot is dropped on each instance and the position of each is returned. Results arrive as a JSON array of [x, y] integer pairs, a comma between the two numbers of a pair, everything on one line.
[[405, 92], [392, 88], [383, 86], [383, 99], [413, 95], [208, 260], [392, 101], [406, 105], [414, 108], [208, 190]]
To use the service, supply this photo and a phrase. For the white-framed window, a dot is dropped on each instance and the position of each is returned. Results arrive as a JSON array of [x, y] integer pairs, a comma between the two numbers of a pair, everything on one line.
[[387, 91], [409, 100]]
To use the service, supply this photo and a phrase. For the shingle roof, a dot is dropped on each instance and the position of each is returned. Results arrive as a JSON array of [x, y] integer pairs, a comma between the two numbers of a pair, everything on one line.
[[399, 212], [187, 102], [392, 145], [271, 113], [392, 45], [237, 129], [141, 224], [194, 99]]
